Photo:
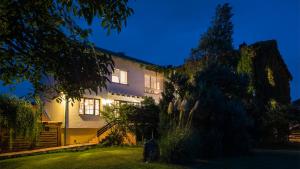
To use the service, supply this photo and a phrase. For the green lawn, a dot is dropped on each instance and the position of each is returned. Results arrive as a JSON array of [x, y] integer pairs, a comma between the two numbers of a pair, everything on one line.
[[131, 158], [98, 158]]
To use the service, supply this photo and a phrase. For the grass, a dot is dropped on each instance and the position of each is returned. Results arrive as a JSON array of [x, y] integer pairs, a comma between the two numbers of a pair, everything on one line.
[[98, 158], [131, 158]]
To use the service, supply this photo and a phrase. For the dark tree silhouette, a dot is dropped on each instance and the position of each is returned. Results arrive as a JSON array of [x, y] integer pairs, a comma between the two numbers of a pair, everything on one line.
[[218, 38], [41, 38]]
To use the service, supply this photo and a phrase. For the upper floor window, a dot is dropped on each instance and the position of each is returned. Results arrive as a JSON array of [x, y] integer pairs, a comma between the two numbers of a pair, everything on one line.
[[89, 106], [151, 82], [119, 76]]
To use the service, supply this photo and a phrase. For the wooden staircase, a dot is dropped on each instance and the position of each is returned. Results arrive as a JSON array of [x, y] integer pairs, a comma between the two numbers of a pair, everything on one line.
[[48, 139], [101, 131]]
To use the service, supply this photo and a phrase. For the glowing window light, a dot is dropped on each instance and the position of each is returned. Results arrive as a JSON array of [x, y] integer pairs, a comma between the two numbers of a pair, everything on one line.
[[89, 106], [107, 102]]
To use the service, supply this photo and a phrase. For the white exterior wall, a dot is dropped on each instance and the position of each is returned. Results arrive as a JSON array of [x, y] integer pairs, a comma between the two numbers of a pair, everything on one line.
[[135, 78], [133, 92]]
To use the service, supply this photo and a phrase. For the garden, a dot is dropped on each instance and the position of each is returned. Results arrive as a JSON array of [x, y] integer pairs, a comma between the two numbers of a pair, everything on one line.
[[231, 101], [221, 109]]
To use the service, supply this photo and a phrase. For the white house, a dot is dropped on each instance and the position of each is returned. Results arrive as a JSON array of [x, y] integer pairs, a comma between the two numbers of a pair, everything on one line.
[[130, 81]]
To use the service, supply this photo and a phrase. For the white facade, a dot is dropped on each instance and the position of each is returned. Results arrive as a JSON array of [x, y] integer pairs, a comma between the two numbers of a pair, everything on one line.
[[131, 88]]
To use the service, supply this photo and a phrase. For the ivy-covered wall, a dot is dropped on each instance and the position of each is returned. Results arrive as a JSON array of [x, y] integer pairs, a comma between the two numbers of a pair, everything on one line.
[[269, 75]]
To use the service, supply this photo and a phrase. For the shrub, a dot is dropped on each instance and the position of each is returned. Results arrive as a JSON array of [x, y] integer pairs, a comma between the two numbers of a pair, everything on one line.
[[142, 120], [178, 146], [224, 130], [147, 119], [114, 138], [274, 127], [18, 118]]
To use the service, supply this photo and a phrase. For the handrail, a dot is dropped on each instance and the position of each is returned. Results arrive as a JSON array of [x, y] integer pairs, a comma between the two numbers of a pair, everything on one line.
[[105, 128]]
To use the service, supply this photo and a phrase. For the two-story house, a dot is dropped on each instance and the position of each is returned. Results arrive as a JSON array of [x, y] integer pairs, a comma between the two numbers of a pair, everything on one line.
[[130, 81]]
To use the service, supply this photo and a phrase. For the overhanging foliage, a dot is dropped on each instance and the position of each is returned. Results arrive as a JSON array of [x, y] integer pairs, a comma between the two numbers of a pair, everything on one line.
[[42, 38]]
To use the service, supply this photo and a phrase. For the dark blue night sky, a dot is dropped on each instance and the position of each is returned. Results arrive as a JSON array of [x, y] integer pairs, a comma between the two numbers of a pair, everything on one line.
[[164, 31]]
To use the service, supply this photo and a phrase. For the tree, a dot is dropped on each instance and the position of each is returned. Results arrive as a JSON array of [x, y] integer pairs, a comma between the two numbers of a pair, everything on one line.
[[217, 41], [146, 120], [142, 120], [41, 39], [211, 102], [221, 118]]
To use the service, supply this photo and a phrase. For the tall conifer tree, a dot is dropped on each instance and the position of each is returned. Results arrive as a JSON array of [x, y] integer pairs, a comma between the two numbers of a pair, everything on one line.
[[217, 40]]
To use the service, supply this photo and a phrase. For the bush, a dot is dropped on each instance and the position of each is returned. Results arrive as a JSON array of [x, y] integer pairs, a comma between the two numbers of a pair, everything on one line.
[[114, 138], [142, 120], [178, 146], [274, 126], [147, 119], [19, 118]]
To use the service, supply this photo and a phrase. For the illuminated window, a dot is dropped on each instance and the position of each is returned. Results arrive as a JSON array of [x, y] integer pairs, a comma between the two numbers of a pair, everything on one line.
[[89, 106], [81, 106], [123, 77], [151, 82], [119, 103], [116, 76], [147, 81], [97, 107], [119, 76]]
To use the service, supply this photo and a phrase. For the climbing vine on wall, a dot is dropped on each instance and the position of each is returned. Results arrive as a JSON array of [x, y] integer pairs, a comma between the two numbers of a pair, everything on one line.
[[269, 76], [245, 66]]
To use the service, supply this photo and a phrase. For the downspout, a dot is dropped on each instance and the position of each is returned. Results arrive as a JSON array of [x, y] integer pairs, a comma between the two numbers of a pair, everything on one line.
[[66, 119]]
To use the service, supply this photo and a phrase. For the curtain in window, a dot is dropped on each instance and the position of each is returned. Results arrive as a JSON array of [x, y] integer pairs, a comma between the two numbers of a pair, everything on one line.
[[89, 106], [123, 77], [147, 81], [153, 82], [115, 76], [97, 107]]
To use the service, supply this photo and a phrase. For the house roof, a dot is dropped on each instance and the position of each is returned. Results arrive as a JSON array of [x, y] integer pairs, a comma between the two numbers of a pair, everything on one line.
[[123, 56], [272, 44]]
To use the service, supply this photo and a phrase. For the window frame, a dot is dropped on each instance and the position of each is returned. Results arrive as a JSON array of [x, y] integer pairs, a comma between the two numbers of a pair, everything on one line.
[[147, 79], [94, 106], [119, 76], [119, 103], [153, 86]]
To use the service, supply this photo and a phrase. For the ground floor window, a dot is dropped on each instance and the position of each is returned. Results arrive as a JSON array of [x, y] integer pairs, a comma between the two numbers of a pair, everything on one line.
[[122, 102], [89, 106], [116, 105]]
